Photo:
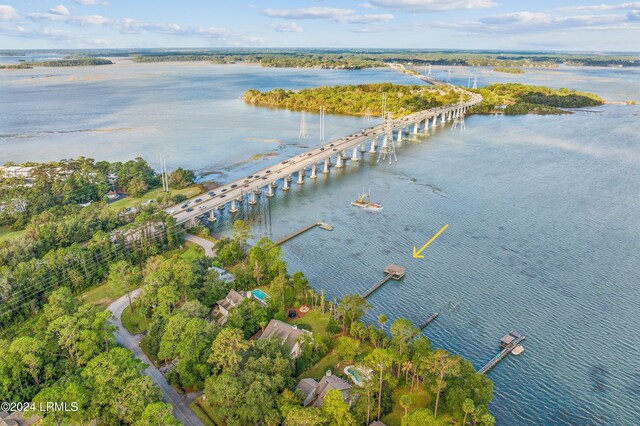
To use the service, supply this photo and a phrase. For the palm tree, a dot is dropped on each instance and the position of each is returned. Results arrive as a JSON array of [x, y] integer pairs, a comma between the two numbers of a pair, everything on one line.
[[380, 359], [468, 407], [405, 402], [382, 319], [441, 364]]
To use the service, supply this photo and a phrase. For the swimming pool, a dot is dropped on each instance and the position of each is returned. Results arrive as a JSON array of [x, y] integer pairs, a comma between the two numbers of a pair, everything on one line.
[[357, 374], [260, 295]]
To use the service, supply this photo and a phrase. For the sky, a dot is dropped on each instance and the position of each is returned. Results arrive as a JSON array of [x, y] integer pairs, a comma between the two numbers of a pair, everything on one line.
[[563, 25]]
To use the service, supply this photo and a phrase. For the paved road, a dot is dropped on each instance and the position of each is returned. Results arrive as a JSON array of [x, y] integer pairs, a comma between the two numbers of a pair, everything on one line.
[[207, 245], [205, 203], [180, 403]]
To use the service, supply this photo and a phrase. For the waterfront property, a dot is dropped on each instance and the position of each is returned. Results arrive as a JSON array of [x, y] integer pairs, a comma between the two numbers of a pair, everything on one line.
[[286, 334], [314, 392], [224, 307]]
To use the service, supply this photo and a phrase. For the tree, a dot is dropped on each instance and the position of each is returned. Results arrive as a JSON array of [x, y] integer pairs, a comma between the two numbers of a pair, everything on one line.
[[351, 308], [348, 349], [420, 417], [336, 410], [441, 364], [382, 320], [402, 331], [380, 359], [227, 349], [181, 178], [300, 416], [405, 402], [61, 302], [468, 407], [158, 413], [241, 232]]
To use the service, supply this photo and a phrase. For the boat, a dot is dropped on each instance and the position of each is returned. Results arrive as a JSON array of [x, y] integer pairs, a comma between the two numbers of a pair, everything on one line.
[[365, 202], [517, 350]]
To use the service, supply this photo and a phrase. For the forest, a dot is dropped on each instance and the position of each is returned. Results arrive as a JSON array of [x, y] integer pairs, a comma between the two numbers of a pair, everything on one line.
[[515, 98], [364, 99], [368, 58]]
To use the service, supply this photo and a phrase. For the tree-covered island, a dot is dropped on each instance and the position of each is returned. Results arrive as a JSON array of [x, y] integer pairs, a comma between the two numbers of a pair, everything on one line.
[[366, 99]]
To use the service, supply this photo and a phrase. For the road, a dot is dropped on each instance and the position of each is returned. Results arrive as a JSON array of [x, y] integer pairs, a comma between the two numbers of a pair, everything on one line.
[[181, 410], [207, 245], [205, 203]]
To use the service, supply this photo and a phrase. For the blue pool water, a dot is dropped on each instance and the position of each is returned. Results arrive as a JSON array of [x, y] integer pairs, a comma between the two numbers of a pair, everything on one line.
[[260, 294]]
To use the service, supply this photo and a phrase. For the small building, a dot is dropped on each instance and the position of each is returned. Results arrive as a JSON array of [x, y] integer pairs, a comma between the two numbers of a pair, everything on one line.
[[112, 195], [226, 305], [17, 172], [506, 341], [286, 334], [223, 275], [314, 392], [396, 271]]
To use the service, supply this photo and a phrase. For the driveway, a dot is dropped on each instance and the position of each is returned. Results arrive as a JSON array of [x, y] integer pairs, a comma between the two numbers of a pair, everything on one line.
[[181, 410], [207, 245]]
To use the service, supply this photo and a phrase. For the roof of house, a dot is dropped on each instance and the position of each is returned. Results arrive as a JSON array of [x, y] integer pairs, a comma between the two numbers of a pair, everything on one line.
[[17, 419], [285, 333], [328, 383], [232, 300], [307, 386], [377, 423]]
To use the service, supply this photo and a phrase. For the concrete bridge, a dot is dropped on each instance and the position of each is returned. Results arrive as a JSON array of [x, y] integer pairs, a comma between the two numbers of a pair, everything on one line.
[[338, 153]]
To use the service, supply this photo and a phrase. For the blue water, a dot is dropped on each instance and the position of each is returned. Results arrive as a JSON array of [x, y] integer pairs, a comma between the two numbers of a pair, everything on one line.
[[544, 231]]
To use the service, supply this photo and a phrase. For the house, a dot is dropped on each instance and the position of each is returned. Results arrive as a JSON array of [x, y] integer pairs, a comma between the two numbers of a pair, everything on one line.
[[286, 334], [314, 392], [17, 172], [112, 195], [226, 305], [223, 275], [17, 419]]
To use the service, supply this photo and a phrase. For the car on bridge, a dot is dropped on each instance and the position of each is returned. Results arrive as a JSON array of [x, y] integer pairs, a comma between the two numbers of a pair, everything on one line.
[[198, 200]]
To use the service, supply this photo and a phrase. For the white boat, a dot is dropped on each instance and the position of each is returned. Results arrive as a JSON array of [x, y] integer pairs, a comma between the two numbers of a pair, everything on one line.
[[517, 350]]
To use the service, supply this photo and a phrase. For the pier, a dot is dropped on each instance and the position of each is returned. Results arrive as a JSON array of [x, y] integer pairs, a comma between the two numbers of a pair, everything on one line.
[[393, 271], [428, 321], [320, 225], [508, 343]]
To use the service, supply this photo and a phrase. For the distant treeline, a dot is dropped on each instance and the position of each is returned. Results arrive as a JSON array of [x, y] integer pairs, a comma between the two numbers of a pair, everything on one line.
[[369, 58], [70, 62], [509, 70], [356, 100], [514, 99]]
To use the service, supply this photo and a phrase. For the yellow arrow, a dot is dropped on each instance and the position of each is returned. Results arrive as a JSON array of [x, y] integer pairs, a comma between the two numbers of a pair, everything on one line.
[[416, 253]]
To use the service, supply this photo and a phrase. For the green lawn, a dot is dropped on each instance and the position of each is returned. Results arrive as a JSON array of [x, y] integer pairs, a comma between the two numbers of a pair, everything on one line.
[[133, 321], [192, 251], [329, 362], [6, 233], [189, 192], [203, 410], [315, 319], [419, 399], [102, 295]]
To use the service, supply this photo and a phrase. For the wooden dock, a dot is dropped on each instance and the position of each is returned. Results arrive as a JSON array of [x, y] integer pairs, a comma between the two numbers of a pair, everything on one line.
[[429, 320], [517, 338], [321, 225], [392, 271]]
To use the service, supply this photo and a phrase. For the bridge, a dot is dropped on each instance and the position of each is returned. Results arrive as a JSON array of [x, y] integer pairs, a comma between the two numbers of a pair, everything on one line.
[[337, 153]]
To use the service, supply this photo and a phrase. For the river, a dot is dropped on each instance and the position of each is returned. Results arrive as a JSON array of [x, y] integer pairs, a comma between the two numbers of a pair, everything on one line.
[[543, 211]]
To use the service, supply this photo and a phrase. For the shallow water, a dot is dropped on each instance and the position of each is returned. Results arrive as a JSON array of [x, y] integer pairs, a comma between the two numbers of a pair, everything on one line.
[[543, 236]]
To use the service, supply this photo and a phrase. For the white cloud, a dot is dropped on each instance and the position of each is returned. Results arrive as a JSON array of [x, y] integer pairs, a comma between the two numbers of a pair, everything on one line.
[[286, 27], [538, 22], [308, 13], [602, 7], [70, 19], [343, 16], [8, 13], [59, 10], [426, 6], [92, 2]]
